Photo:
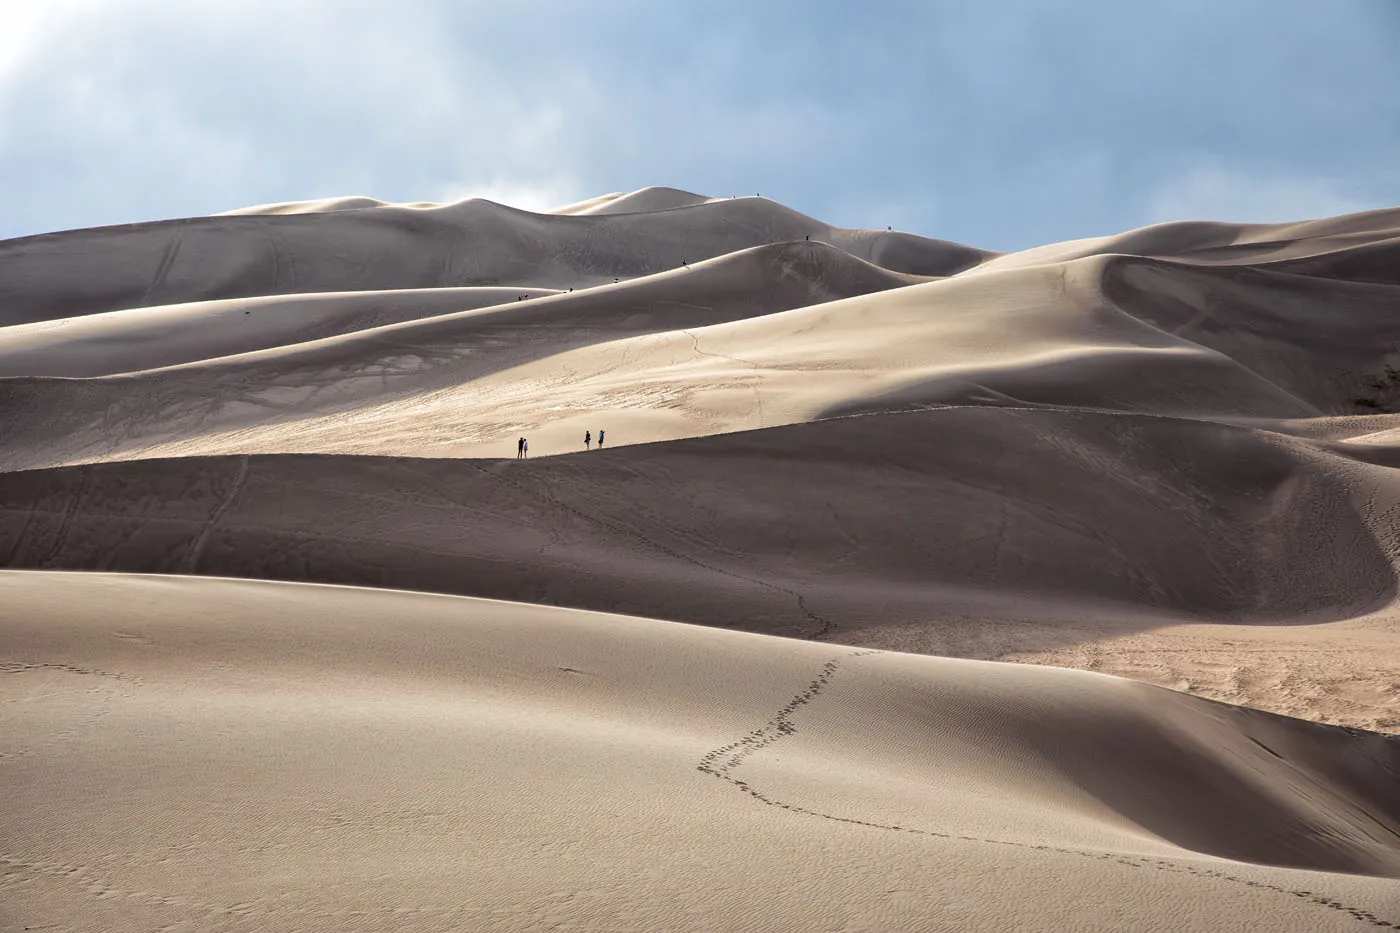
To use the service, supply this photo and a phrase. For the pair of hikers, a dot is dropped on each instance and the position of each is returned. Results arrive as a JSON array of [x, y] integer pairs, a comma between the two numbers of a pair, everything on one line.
[[522, 448], [588, 439]]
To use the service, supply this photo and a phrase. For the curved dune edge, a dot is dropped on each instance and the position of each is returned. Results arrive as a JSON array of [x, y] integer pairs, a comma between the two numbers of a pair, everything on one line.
[[326, 755]]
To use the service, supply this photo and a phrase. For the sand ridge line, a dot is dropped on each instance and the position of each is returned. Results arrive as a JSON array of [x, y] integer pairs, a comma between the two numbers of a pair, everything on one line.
[[824, 626], [757, 385], [722, 761]]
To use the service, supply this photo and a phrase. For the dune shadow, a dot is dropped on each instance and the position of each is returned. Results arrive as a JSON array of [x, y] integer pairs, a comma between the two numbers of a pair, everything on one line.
[[810, 531]]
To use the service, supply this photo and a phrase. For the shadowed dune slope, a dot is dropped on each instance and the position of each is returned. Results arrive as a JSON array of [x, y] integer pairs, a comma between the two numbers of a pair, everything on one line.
[[316, 206], [1315, 243], [762, 280], [470, 243], [319, 757], [767, 530], [1316, 338]]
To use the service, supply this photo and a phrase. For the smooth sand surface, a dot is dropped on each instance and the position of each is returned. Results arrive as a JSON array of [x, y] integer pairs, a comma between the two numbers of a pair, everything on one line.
[[1169, 455], [230, 755]]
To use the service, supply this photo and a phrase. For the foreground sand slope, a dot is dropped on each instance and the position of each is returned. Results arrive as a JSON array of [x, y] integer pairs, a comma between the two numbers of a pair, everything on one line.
[[222, 755]]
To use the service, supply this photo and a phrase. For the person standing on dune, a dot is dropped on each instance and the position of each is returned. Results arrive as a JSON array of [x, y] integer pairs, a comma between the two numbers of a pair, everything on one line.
[[588, 439], [525, 445], [519, 447], [600, 438]]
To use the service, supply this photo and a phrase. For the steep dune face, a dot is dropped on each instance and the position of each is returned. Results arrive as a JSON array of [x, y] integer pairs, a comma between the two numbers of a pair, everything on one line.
[[1315, 338], [364, 759]]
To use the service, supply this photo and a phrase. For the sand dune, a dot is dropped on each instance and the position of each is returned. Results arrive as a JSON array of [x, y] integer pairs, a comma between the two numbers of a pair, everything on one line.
[[310, 757], [1169, 454], [470, 243]]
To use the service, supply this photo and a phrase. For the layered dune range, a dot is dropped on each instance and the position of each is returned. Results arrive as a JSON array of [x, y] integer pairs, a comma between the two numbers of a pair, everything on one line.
[[1167, 454]]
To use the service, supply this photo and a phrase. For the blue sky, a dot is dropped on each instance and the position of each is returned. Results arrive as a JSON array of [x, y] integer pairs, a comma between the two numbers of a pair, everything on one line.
[[1003, 124]]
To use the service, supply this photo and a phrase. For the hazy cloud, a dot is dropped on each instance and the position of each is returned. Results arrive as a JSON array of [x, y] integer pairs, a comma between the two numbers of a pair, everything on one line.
[[1003, 125]]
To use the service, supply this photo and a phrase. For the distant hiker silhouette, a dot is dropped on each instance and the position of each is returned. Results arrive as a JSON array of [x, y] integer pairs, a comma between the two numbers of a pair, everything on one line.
[[587, 439], [600, 438], [519, 447], [525, 442]]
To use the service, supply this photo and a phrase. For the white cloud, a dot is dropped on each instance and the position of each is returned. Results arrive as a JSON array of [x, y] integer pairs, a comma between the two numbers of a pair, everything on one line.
[[1211, 191], [28, 26], [142, 109]]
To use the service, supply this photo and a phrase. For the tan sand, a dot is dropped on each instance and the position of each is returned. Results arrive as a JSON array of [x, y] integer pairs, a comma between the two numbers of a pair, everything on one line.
[[223, 755], [1167, 455]]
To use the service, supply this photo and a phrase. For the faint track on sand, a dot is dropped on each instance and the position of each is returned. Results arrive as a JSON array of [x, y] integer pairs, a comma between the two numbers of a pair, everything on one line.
[[722, 762]]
